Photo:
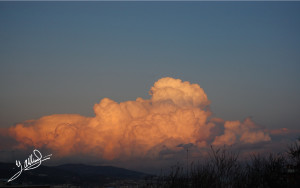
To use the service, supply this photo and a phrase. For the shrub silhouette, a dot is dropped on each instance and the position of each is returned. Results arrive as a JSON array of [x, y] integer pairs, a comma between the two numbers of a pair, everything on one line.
[[224, 170], [266, 171], [294, 164]]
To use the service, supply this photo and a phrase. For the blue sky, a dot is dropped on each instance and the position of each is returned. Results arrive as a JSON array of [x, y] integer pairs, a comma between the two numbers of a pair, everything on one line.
[[63, 57]]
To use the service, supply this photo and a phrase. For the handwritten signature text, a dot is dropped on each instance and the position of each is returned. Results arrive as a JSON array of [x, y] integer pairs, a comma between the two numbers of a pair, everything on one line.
[[30, 163]]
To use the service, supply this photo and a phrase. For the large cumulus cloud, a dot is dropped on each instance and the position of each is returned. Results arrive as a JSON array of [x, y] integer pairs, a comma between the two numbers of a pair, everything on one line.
[[177, 113]]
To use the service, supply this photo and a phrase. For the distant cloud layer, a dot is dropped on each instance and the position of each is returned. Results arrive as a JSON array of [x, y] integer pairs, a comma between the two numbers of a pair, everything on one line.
[[177, 113]]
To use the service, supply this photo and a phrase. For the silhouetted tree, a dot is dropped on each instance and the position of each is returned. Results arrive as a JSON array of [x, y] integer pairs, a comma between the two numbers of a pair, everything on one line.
[[223, 170]]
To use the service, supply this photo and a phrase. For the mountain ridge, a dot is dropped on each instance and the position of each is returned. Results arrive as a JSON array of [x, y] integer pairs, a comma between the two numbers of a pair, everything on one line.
[[70, 173]]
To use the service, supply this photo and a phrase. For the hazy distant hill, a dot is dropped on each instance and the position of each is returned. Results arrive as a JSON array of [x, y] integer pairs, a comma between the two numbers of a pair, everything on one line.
[[77, 174], [110, 171]]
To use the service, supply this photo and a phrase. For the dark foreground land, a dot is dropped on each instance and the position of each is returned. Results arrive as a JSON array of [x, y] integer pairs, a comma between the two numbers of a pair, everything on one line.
[[69, 175], [222, 169]]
